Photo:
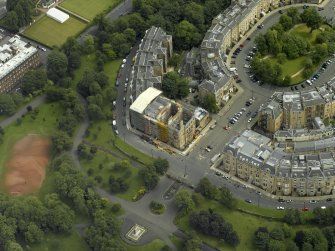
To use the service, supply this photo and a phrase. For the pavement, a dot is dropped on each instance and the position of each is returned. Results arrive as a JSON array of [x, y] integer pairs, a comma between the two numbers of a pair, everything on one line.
[[196, 164]]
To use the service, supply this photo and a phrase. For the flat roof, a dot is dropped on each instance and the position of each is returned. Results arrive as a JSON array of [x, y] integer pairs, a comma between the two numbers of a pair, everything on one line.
[[58, 15], [144, 99]]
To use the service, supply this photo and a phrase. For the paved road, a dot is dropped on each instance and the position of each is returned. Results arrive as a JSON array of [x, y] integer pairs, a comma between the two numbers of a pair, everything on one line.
[[34, 103], [122, 9], [196, 164]]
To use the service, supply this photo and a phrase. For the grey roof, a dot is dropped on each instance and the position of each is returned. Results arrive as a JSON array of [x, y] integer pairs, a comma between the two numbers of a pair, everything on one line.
[[256, 150], [147, 58]]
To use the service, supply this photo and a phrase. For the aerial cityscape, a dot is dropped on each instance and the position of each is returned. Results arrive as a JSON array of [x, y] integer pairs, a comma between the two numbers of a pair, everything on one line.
[[161, 125]]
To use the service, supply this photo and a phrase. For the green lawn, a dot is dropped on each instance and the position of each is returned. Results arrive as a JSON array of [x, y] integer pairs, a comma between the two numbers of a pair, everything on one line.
[[88, 8], [44, 124], [102, 164], [244, 224], [305, 32], [52, 33], [53, 242], [291, 67]]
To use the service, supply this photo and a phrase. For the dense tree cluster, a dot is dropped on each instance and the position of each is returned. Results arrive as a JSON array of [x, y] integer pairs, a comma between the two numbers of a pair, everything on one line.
[[324, 217], [209, 103], [211, 192], [293, 217], [184, 202], [119, 185], [150, 173], [174, 86], [212, 224], [19, 14], [278, 239], [187, 22], [9, 103], [28, 218], [284, 45], [33, 81]]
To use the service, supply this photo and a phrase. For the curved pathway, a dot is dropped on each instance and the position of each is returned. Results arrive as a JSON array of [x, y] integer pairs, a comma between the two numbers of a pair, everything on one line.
[[159, 226]]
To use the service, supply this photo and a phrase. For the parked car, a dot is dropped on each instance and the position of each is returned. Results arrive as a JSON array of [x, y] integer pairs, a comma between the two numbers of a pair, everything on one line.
[[254, 115], [312, 201], [329, 199], [280, 208], [249, 120], [248, 201]]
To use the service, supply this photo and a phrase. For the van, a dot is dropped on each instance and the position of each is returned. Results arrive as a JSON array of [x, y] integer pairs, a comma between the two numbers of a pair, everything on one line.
[[232, 69], [308, 82]]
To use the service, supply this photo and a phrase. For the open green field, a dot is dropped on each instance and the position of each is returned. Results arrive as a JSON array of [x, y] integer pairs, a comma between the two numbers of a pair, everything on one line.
[[244, 224], [291, 67], [44, 124], [88, 8], [51, 33]]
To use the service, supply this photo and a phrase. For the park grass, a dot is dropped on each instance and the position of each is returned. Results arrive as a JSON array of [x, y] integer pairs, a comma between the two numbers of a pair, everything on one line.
[[243, 223], [53, 242], [155, 245], [52, 33], [87, 62], [88, 8], [44, 124], [102, 164], [305, 32], [291, 67]]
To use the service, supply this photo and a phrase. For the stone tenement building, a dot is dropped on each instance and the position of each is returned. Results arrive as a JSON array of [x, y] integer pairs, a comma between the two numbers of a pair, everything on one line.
[[297, 109], [167, 120], [226, 30], [253, 158], [16, 58], [150, 61]]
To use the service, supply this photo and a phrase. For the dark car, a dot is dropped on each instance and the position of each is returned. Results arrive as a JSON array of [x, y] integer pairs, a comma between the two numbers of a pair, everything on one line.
[[296, 88], [281, 200], [248, 201], [281, 12], [329, 199], [248, 38], [292, 88], [303, 86], [248, 114], [254, 114]]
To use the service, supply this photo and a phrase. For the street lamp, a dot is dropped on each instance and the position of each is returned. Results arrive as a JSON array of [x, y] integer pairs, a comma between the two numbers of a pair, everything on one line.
[[185, 171]]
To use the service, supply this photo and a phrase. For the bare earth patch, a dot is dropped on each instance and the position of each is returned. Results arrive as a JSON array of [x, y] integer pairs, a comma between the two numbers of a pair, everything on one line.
[[27, 165]]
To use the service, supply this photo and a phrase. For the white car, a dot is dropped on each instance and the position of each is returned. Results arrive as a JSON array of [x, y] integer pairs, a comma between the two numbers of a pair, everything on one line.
[[323, 207], [43, 49], [122, 66], [280, 208], [124, 60], [249, 120]]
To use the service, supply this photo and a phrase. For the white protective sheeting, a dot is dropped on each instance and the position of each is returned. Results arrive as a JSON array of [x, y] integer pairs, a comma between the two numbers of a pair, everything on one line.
[[58, 15]]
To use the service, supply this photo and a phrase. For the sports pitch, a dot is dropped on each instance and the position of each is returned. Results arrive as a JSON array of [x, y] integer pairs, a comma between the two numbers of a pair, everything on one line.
[[51, 33], [88, 8]]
